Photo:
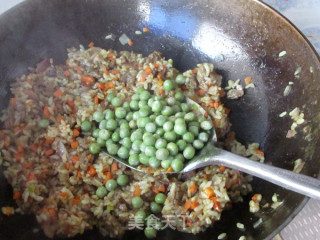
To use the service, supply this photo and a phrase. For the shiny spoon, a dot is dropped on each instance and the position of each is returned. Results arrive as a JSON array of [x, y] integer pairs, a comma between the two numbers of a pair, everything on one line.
[[211, 155]]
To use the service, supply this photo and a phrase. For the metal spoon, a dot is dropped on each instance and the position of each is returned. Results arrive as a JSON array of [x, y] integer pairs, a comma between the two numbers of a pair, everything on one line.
[[211, 155]]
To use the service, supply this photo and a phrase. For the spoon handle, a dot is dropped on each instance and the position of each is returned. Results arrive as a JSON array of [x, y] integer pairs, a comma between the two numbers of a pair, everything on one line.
[[293, 181]]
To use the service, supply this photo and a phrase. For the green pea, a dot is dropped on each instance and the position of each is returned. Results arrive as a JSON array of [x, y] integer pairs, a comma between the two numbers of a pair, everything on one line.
[[194, 130], [188, 137], [144, 95], [165, 164], [137, 202], [98, 116], [160, 198], [95, 133], [149, 140], [103, 124], [136, 145], [173, 148], [150, 151], [111, 124], [86, 126], [134, 160], [154, 162], [168, 126], [94, 148], [151, 127], [129, 116], [160, 120], [101, 192], [156, 106], [109, 114], [133, 124], [124, 132], [168, 85], [134, 105], [120, 112], [150, 232], [180, 157], [144, 159], [126, 142], [104, 134], [180, 128], [109, 142], [122, 180], [110, 96], [112, 148], [179, 96], [158, 225], [177, 165], [136, 116], [180, 79], [142, 122], [152, 117], [198, 144], [140, 216], [185, 107], [150, 102], [171, 101], [111, 185], [176, 108], [143, 103], [189, 152], [170, 136], [43, 123], [124, 124], [116, 102], [144, 111], [135, 97], [161, 143], [167, 111], [115, 136], [123, 152], [162, 154], [194, 123], [160, 132], [101, 142], [155, 207], [136, 135], [179, 115], [206, 125], [190, 116]]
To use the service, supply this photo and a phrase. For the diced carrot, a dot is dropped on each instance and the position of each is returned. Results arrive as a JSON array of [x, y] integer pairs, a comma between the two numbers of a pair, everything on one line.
[[222, 93], [58, 93], [235, 181], [75, 159], [96, 100], [216, 204], [71, 104], [159, 76], [227, 111], [154, 189], [49, 152], [31, 176], [75, 200], [247, 80], [114, 167], [67, 166], [101, 86], [74, 144], [145, 29], [222, 168], [20, 149], [91, 171], [66, 73], [91, 44], [201, 92], [46, 112], [89, 157], [143, 79], [258, 151], [211, 104], [189, 222], [106, 72], [6, 143], [187, 205], [170, 169], [161, 189], [206, 114], [7, 210], [17, 195], [160, 83], [59, 119], [148, 70], [18, 156], [149, 170], [205, 176], [63, 194], [255, 197], [193, 188], [130, 43], [116, 71], [88, 80], [49, 140], [107, 178], [161, 91], [79, 175], [13, 102], [109, 85], [26, 165], [137, 191], [194, 71], [78, 69], [76, 132], [52, 211], [34, 147], [209, 192], [194, 204]]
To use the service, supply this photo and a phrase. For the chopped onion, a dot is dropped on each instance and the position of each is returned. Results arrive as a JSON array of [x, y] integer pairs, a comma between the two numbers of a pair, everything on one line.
[[124, 39], [281, 54], [257, 223], [111, 36], [138, 32]]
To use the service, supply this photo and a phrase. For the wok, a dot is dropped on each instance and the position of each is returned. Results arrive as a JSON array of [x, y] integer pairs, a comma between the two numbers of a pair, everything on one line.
[[241, 37]]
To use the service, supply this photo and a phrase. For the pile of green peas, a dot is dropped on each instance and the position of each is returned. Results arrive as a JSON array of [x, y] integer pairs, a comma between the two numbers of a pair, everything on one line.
[[151, 130]]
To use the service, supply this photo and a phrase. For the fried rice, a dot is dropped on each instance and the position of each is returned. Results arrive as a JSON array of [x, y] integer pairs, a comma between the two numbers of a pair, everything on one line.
[[49, 168]]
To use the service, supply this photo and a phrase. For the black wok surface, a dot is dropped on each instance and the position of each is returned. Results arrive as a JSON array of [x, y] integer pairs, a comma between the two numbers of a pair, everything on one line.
[[241, 37]]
